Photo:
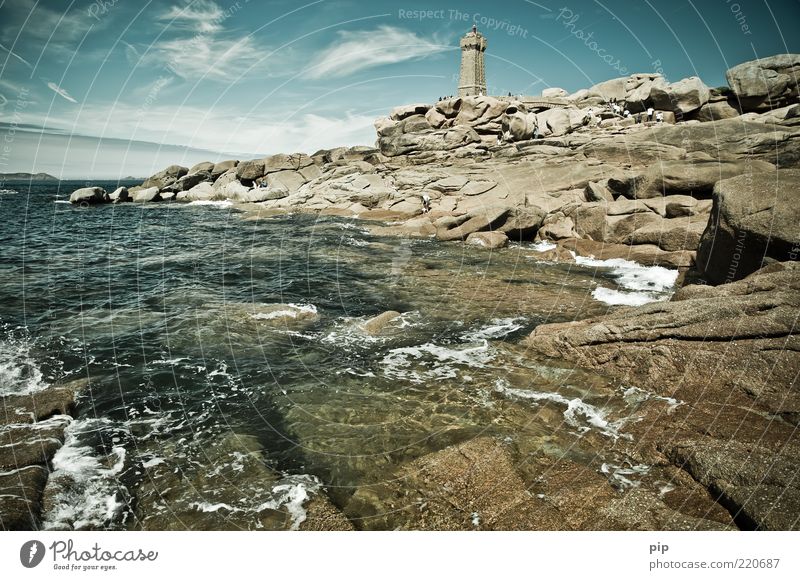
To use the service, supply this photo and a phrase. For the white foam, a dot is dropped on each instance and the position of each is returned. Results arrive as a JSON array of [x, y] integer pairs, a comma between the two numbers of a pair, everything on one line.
[[62, 201], [574, 407], [619, 298], [208, 202], [436, 362], [635, 395], [293, 492], [543, 246], [293, 311], [497, 328], [618, 474], [8, 191], [19, 371], [87, 492], [641, 284]]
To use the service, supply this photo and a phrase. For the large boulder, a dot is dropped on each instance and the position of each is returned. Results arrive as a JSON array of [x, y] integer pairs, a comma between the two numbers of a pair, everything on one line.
[[740, 137], [203, 191], [681, 97], [766, 83], [146, 195], [285, 180], [188, 181], [441, 140], [484, 114], [517, 124], [222, 167], [714, 111], [250, 170], [285, 162], [695, 177], [119, 195], [89, 195], [554, 92], [755, 219], [165, 177], [523, 222], [479, 220], [487, 240], [403, 111], [205, 166]]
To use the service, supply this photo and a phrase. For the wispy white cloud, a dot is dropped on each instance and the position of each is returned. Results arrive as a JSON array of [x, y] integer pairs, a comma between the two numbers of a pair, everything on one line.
[[199, 46], [197, 15], [34, 21], [363, 49], [206, 57], [62, 92]]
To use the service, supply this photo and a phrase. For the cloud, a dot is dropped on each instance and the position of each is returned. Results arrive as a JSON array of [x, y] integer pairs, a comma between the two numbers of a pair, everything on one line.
[[34, 21], [359, 50], [198, 15], [59, 91], [206, 56]]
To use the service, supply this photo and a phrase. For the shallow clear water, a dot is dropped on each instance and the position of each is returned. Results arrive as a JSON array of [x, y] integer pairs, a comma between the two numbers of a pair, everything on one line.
[[206, 408]]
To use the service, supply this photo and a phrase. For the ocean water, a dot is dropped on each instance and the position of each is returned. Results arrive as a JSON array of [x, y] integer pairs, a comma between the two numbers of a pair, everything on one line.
[[231, 379]]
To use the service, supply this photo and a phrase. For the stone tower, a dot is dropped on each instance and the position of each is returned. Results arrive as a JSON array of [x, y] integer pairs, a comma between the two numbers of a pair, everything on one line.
[[473, 74]]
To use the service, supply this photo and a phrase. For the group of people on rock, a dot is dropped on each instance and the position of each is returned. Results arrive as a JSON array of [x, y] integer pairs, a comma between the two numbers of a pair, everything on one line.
[[623, 111]]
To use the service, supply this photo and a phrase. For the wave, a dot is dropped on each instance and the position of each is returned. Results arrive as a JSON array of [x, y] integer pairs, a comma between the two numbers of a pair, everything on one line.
[[638, 284], [20, 372], [497, 328], [575, 407], [431, 361], [207, 202], [84, 488]]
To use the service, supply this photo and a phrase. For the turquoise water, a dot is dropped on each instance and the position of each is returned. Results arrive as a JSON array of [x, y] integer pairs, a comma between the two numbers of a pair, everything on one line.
[[205, 405]]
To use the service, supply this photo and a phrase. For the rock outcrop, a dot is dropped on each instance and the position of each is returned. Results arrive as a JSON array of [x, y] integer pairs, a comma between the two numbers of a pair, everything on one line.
[[89, 195], [31, 431], [730, 355], [767, 83], [755, 220]]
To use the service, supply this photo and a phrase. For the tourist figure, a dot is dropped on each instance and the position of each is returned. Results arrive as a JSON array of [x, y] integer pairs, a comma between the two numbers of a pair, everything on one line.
[[626, 113], [649, 114], [659, 117], [426, 203]]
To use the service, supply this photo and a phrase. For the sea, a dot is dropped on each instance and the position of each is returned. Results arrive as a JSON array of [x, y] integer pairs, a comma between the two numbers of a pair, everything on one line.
[[226, 372]]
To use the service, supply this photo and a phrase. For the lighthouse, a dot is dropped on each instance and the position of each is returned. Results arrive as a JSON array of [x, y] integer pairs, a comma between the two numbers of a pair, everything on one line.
[[473, 75]]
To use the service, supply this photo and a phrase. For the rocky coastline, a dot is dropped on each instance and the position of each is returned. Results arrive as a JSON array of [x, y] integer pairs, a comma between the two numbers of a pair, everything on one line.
[[711, 191]]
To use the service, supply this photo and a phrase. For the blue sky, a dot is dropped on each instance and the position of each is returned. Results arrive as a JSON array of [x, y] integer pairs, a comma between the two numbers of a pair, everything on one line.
[[109, 88]]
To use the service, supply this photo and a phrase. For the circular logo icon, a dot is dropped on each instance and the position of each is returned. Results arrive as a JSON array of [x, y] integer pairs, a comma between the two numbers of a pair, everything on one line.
[[31, 553]]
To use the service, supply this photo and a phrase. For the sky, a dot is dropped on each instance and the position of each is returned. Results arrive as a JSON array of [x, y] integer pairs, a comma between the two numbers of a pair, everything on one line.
[[112, 88]]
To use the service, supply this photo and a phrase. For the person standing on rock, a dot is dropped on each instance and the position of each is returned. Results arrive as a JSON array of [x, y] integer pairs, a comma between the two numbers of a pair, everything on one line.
[[426, 203], [649, 114], [659, 117]]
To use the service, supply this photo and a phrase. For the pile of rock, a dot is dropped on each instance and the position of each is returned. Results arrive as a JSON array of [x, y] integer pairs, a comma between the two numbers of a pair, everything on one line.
[[31, 431]]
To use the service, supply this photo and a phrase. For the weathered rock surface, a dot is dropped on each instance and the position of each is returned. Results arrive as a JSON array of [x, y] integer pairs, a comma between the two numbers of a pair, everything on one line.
[[165, 177], [376, 324], [31, 431], [755, 219], [730, 355], [89, 195], [681, 97], [119, 195], [767, 83], [488, 240]]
